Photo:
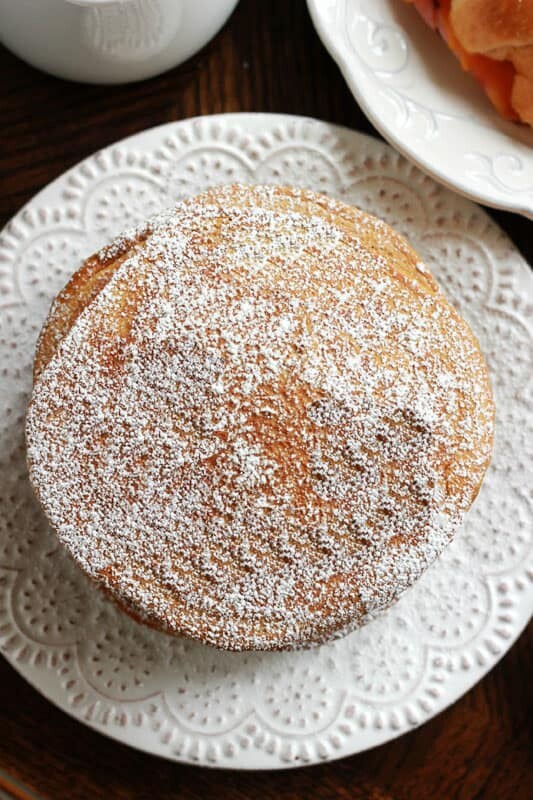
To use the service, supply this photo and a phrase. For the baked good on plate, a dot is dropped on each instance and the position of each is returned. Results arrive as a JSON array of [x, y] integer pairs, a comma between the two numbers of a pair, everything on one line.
[[493, 40], [256, 420]]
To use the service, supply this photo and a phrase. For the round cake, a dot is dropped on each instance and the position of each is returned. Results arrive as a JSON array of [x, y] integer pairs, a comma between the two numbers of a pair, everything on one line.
[[256, 419]]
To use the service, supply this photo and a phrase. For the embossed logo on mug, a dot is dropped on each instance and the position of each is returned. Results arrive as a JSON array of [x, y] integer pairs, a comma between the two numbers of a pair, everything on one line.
[[129, 30]]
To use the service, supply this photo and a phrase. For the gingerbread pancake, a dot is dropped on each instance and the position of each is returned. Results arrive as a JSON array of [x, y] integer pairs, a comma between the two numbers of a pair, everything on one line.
[[257, 420]]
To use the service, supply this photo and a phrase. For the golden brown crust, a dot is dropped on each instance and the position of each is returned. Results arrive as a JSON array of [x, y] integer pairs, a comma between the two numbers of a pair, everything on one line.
[[488, 26], [502, 30], [265, 425], [522, 98], [81, 289], [493, 40]]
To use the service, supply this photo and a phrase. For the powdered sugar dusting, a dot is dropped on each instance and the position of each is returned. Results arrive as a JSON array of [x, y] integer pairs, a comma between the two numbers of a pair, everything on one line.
[[265, 427]]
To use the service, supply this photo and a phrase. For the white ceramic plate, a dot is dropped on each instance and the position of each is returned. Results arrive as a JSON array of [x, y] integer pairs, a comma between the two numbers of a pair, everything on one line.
[[180, 699], [414, 91]]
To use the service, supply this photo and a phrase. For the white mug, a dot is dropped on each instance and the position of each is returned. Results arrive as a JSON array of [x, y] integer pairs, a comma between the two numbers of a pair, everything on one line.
[[109, 41]]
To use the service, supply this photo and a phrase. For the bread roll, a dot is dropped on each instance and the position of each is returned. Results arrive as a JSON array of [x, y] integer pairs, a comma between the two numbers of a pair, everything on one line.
[[493, 39]]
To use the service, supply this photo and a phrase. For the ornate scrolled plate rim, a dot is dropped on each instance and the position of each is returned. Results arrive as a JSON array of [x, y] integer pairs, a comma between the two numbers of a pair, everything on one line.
[[179, 699], [469, 149]]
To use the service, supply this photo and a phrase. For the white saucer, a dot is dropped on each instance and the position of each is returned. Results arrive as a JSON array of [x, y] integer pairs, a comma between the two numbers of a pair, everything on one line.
[[414, 91], [180, 699]]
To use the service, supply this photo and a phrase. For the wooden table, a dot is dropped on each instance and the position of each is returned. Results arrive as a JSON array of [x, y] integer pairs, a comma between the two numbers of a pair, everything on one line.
[[267, 58]]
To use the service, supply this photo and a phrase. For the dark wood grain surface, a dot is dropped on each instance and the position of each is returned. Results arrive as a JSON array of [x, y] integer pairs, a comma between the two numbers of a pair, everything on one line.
[[267, 58]]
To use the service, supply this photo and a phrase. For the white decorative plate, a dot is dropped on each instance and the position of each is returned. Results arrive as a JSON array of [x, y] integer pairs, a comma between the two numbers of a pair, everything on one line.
[[180, 699], [414, 91]]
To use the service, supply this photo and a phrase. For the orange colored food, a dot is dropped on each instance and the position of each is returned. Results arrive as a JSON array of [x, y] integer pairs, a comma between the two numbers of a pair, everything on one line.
[[498, 76]]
